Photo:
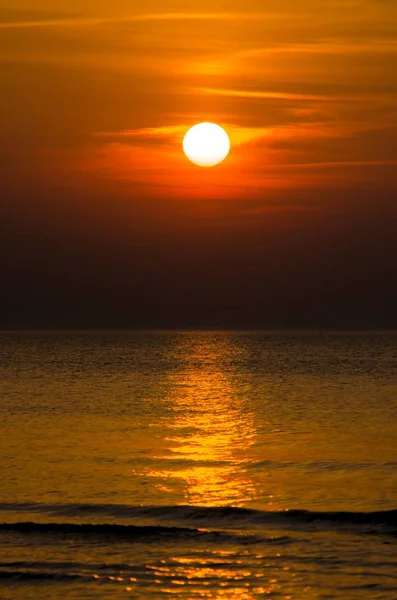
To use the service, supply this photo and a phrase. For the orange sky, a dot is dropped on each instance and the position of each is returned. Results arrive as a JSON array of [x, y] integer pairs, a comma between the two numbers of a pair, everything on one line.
[[106, 91], [96, 97]]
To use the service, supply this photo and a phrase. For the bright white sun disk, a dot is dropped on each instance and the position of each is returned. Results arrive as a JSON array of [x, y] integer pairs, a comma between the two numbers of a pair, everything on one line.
[[206, 144]]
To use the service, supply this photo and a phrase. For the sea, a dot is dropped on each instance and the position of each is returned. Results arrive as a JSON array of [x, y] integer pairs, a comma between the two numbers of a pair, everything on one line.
[[198, 465]]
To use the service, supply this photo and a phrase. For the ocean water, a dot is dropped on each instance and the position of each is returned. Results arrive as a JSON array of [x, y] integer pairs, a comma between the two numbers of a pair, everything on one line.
[[198, 465]]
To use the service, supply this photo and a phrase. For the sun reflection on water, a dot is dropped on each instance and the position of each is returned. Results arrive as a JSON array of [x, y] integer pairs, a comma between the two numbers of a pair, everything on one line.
[[209, 430]]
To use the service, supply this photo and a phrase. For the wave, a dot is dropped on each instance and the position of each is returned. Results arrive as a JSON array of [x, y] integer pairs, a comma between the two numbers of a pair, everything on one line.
[[102, 529], [37, 576], [190, 520], [134, 532]]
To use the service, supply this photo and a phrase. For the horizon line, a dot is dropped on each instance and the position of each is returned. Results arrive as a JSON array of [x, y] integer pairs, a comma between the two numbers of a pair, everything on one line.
[[281, 330]]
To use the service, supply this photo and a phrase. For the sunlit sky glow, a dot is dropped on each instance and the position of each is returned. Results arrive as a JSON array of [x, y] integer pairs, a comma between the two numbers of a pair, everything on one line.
[[301, 86]]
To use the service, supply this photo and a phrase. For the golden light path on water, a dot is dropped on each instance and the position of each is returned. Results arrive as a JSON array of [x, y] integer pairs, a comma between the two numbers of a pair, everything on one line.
[[210, 432]]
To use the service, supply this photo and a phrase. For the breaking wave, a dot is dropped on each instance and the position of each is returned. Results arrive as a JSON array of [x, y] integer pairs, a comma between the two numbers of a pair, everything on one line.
[[190, 520]]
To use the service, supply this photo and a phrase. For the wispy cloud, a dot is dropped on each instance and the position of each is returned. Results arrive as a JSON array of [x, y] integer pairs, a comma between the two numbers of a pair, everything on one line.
[[340, 164], [173, 134], [294, 96], [97, 21], [325, 47], [263, 94], [144, 135]]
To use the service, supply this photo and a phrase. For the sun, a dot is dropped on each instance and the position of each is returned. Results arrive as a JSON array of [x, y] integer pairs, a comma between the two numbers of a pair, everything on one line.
[[206, 144]]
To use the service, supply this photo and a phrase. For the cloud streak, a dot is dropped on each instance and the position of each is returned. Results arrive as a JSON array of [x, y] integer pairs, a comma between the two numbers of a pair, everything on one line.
[[265, 95], [335, 164], [173, 134], [324, 47], [68, 22]]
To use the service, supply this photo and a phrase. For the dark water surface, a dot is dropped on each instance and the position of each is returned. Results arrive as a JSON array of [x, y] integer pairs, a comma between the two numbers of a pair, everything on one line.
[[198, 465]]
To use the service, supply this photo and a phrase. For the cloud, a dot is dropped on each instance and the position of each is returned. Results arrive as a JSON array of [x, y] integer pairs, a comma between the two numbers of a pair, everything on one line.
[[339, 101], [173, 135], [337, 164], [266, 95], [324, 47], [275, 135], [97, 21]]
